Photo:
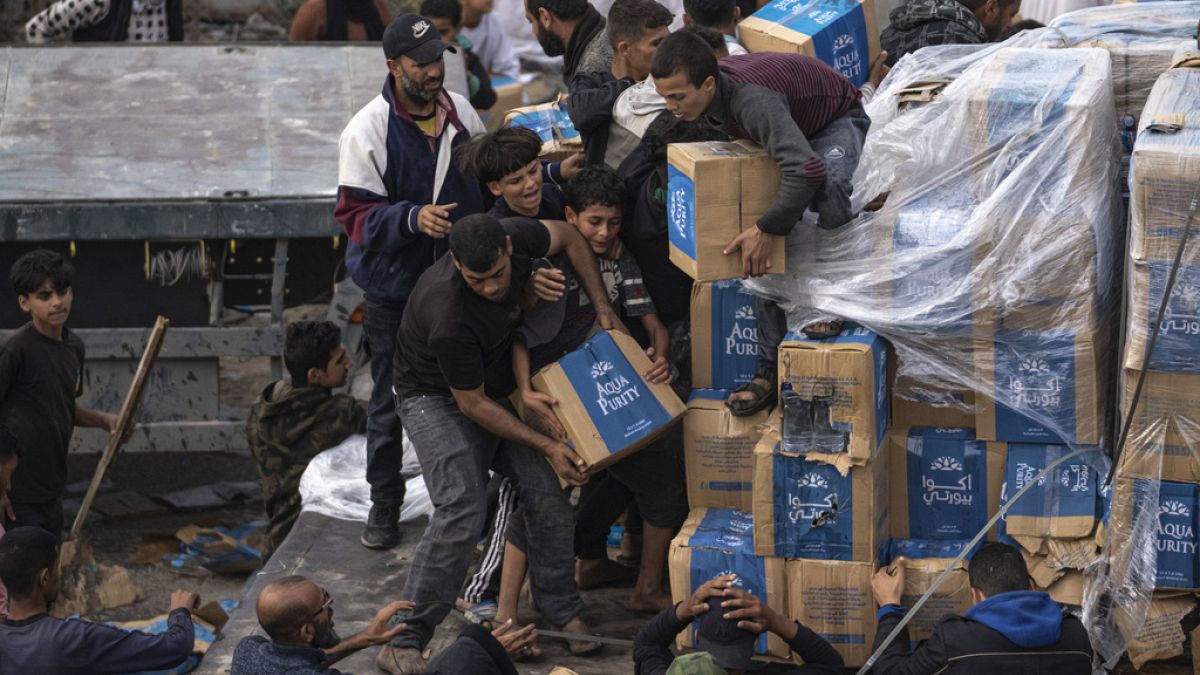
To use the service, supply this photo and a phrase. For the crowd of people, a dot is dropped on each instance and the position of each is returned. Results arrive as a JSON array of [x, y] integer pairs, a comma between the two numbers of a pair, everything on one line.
[[481, 263]]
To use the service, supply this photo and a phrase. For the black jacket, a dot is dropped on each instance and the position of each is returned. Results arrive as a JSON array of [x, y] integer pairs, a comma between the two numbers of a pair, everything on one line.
[[1011, 633], [922, 23], [476, 652], [590, 108]]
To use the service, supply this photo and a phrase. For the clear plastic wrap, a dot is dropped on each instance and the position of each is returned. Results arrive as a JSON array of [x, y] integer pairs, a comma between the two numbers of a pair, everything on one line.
[[335, 483]]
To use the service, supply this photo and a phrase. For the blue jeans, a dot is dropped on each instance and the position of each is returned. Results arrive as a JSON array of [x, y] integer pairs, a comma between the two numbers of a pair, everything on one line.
[[455, 455], [385, 449]]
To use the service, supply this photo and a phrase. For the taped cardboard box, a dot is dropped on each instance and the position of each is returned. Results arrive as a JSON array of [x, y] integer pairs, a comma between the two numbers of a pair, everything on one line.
[[607, 408], [833, 598], [719, 541], [715, 190], [1177, 348], [920, 404], [945, 484], [853, 369], [842, 34], [1064, 504], [1164, 436], [1068, 589], [560, 138], [953, 596], [1164, 167], [510, 95], [1044, 381], [806, 509], [724, 335], [1162, 636], [718, 451], [1049, 560], [1174, 508]]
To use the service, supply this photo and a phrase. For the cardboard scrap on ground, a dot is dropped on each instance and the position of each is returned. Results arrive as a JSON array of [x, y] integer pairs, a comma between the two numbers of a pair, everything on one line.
[[196, 550]]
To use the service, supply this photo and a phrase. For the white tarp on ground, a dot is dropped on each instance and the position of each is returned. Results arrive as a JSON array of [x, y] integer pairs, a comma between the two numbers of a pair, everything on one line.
[[335, 483]]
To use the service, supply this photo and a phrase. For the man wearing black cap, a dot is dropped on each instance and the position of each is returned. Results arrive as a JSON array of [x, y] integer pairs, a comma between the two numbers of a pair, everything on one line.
[[731, 621], [398, 192]]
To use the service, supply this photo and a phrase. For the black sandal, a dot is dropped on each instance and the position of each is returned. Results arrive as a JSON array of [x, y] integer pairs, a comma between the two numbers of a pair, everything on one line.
[[833, 328], [765, 397]]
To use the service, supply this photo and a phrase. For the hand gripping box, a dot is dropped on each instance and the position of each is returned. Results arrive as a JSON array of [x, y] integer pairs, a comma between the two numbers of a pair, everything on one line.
[[724, 335], [560, 138], [718, 451], [718, 541], [608, 409], [853, 369], [1064, 504], [1164, 436], [833, 598], [923, 564], [715, 190], [806, 509], [842, 33], [944, 484]]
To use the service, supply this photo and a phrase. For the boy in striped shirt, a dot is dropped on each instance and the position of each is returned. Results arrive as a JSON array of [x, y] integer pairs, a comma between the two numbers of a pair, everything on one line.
[[810, 119]]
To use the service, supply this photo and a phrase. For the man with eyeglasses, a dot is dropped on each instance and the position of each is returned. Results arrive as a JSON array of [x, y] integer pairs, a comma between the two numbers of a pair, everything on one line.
[[297, 615]]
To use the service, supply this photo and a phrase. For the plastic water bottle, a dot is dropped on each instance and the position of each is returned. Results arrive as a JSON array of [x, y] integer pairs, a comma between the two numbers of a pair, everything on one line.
[[826, 438], [797, 421]]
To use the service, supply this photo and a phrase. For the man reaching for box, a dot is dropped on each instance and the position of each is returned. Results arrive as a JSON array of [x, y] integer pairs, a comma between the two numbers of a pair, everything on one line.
[[1011, 629], [811, 121]]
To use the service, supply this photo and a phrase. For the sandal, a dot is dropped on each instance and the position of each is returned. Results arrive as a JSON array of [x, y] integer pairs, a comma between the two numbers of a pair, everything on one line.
[[765, 397], [823, 330]]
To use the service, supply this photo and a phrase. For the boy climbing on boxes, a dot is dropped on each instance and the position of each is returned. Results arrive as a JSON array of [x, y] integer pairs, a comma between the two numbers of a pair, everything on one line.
[[41, 376], [290, 424], [811, 121], [594, 205]]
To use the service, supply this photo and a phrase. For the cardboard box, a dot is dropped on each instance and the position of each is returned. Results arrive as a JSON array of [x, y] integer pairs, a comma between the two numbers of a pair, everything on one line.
[[715, 190], [1177, 348], [1161, 635], [608, 409], [807, 509], [1170, 508], [1045, 381], [834, 599], [927, 413], [944, 483], [1051, 560], [1069, 589], [724, 335], [1063, 505], [718, 451], [718, 541], [953, 596], [560, 138], [842, 34], [510, 95], [853, 368], [1164, 436]]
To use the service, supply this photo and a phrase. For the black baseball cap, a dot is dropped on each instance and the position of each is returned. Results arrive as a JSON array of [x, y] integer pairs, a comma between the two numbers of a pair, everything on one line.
[[731, 646], [413, 35]]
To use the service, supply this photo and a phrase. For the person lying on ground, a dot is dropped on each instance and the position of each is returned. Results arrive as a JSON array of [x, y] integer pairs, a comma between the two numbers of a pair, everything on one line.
[[810, 120], [41, 378], [290, 424], [453, 377], [1010, 629], [731, 622], [32, 641]]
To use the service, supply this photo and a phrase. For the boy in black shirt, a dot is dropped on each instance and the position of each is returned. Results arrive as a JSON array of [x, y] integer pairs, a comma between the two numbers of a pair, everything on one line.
[[41, 374], [453, 374]]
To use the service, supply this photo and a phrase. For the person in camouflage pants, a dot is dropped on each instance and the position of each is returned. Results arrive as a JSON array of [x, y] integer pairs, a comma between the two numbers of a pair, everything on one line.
[[290, 424]]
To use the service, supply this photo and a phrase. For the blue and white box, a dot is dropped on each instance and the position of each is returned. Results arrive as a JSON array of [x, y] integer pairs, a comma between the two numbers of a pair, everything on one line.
[[724, 335], [842, 33]]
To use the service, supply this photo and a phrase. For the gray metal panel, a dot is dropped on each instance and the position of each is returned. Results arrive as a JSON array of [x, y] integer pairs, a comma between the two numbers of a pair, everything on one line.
[[180, 122], [177, 390], [214, 436], [181, 343]]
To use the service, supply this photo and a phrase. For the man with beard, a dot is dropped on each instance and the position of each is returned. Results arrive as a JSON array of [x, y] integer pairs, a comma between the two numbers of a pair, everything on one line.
[[574, 30], [398, 192], [32, 641]]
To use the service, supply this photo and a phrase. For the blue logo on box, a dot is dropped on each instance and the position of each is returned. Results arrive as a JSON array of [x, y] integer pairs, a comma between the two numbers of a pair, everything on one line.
[[1068, 490], [681, 211], [813, 511], [1178, 566], [838, 29], [617, 400], [1035, 385], [947, 483], [549, 124], [734, 335], [1179, 333]]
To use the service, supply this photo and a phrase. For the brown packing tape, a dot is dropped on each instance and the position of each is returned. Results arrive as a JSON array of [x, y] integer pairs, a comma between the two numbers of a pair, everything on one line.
[[1161, 636], [834, 599], [953, 596], [587, 441], [718, 452]]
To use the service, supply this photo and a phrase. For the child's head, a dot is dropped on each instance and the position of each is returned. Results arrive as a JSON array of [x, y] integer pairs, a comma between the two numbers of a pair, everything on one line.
[[635, 29], [595, 202], [314, 355], [445, 15], [506, 160], [42, 280], [711, 36], [685, 74], [720, 15]]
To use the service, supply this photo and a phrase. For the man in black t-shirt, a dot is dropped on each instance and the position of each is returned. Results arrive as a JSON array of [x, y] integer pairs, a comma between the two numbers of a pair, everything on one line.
[[41, 374], [453, 372]]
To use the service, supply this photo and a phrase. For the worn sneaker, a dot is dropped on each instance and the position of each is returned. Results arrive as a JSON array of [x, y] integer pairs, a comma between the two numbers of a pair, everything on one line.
[[383, 527], [400, 660]]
